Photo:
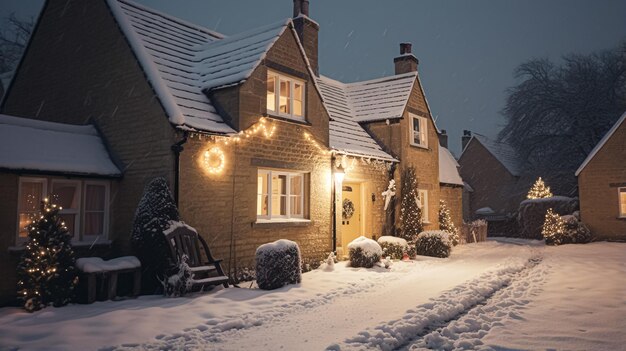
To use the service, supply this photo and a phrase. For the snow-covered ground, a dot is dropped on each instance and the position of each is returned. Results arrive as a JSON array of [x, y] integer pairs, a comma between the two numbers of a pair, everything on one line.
[[507, 294]]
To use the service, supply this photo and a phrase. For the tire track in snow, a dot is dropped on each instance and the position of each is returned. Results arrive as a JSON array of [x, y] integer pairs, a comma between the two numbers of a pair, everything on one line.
[[459, 317]]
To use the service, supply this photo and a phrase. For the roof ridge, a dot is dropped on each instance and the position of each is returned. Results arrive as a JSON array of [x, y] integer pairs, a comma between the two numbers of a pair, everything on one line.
[[382, 79], [178, 20], [601, 143]]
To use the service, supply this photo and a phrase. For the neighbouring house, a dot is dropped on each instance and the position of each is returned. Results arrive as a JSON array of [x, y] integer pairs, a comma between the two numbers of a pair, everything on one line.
[[243, 128], [494, 183], [602, 185], [450, 182]]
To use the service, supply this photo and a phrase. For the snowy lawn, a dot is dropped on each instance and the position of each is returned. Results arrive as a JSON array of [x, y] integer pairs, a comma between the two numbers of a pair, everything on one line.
[[508, 294]]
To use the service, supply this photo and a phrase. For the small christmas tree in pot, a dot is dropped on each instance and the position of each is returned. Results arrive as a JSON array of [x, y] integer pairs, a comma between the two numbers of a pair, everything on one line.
[[539, 190], [46, 273]]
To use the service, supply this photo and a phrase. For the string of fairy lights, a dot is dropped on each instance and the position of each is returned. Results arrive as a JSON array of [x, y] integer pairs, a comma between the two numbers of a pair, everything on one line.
[[214, 158]]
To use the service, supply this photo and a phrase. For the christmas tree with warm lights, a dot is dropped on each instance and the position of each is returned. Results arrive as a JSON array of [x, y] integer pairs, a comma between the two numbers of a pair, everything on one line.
[[553, 229], [46, 273], [539, 190], [410, 211], [446, 224]]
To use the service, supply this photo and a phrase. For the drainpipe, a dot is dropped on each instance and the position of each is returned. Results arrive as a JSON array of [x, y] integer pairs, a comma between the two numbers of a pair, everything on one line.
[[177, 148], [334, 190]]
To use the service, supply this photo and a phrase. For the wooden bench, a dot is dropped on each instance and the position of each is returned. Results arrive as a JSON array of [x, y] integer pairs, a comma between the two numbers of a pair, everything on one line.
[[94, 267], [184, 240]]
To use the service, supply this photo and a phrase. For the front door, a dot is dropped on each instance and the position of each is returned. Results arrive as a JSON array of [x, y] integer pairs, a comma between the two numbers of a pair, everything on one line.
[[350, 213]]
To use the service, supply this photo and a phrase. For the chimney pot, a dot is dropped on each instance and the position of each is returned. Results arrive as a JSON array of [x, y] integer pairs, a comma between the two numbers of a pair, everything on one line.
[[467, 135], [300, 7], [443, 131], [467, 132], [405, 48]]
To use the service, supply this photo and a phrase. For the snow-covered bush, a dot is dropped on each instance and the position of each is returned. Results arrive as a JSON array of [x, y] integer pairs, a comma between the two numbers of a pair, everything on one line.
[[393, 247], [575, 231], [278, 264], [364, 252], [178, 279], [433, 243], [531, 213], [154, 211]]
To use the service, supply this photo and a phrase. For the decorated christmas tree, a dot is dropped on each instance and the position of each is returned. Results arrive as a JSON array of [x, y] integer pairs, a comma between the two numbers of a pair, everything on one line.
[[46, 273], [553, 229], [539, 190], [156, 208], [446, 224], [410, 211]]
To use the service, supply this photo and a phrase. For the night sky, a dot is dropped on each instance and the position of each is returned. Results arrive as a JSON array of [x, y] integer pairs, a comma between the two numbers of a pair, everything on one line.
[[467, 49]]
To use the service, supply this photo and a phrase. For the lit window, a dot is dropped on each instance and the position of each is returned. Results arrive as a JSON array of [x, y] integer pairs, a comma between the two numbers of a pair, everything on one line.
[[423, 199], [280, 195], [622, 202], [85, 205], [419, 130], [31, 194], [285, 96]]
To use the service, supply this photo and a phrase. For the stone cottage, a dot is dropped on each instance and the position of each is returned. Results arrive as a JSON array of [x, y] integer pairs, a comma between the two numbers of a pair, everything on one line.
[[247, 133]]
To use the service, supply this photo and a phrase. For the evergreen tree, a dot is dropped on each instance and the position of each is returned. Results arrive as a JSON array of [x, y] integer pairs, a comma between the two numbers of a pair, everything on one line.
[[553, 229], [46, 273], [156, 208], [446, 224], [539, 190], [410, 211]]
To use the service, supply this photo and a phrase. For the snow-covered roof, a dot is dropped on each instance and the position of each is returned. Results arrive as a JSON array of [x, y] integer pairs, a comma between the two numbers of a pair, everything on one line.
[[346, 134], [503, 152], [28, 144], [448, 168], [376, 99], [597, 148]]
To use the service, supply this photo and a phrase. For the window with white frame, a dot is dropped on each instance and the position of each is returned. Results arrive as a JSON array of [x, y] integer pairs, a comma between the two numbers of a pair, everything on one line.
[[622, 202], [85, 205], [423, 199], [419, 130], [280, 195], [285, 96]]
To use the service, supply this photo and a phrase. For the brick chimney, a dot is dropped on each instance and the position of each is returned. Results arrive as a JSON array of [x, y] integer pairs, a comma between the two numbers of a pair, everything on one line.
[[406, 62], [307, 31], [443, 138], [467, 135]]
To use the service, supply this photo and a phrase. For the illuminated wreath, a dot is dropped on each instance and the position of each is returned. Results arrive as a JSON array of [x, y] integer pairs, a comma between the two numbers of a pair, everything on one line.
[[348, 209], [214, 160]]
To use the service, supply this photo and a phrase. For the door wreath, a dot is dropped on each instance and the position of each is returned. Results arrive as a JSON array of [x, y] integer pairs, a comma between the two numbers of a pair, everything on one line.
[[348, 209]]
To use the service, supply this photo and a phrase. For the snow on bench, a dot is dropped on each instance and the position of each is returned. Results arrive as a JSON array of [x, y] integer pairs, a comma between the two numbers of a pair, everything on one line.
[[98, 265], [92, 266]]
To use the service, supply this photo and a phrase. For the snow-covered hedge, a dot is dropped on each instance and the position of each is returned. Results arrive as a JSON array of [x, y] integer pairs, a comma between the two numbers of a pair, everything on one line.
[[364, 252], [531, 213], [278, 264], [433, 243], [393, 246]]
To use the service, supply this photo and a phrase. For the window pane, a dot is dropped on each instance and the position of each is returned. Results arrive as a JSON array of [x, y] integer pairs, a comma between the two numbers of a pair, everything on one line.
[[279, 195], [65, 195], [296, 205], [423, 131], [94, 223], [296, 185], [416, 131], [298, 97], [622, 202], [284, 97], [94, 197], [31, 196], [262, 197], [271, 93], [70, 220], [25, 220]]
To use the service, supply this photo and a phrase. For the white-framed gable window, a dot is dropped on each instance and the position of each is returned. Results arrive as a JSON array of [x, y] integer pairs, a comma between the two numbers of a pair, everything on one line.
[[31, 193], [280, 195], [418, 133], [423, 200], [285, 96], [85, 205], [622, 202]]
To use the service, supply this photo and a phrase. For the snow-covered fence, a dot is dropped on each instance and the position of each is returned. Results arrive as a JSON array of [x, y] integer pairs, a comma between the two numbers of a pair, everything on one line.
[[473, 232]]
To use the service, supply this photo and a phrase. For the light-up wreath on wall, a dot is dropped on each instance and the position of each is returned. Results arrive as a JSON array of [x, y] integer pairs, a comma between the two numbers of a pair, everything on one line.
[[214, 160]]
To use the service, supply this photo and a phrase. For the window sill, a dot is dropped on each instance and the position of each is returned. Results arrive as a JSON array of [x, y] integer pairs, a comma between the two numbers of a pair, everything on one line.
[[282, 222], [420, 146], [286, 118], [77, 244]]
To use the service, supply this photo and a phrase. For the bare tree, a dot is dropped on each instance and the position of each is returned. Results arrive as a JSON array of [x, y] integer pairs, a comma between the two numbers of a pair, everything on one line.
[[558, 113], [13, 40]]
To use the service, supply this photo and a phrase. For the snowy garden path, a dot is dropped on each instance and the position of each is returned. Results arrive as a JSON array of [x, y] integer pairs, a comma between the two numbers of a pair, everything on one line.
[[512, 294]]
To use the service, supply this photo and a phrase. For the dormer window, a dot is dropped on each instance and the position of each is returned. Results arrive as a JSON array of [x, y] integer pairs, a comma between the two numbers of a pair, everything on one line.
[[418, 134], [285, 96]]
